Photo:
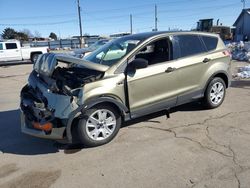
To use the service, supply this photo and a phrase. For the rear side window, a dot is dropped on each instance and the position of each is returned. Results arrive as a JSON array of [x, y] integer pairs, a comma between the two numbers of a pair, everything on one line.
[[210, 42], [10, 46], [1, 46], [189, 45]]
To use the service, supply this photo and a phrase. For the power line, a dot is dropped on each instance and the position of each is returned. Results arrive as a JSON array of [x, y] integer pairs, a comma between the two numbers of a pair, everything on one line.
[[31, 24], [200, 8], [134, 15], [146, 5], [162, 11], [36, 17], [183, 17]]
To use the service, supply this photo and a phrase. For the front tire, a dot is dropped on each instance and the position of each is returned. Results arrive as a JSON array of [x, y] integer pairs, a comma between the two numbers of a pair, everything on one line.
[[215, 93], [99, 125]]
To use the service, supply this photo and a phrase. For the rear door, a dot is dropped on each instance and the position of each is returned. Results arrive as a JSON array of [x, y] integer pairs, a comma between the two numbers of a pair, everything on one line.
[[192, 65], [12, 52]]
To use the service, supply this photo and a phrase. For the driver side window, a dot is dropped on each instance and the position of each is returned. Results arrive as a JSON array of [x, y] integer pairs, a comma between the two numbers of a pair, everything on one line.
[[156, 52]]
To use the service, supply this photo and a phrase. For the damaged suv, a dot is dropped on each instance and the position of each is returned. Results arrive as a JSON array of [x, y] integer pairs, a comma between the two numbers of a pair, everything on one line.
[[126, 78]]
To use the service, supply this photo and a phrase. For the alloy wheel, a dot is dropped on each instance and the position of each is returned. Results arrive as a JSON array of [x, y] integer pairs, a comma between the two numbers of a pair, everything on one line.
[[217, 93], [100, 124]]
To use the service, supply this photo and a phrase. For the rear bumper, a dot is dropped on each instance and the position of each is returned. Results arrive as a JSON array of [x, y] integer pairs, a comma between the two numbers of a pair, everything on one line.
[[54, 134]]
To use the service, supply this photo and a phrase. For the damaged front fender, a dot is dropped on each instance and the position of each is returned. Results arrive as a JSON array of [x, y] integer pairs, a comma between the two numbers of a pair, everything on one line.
[[61, 105]]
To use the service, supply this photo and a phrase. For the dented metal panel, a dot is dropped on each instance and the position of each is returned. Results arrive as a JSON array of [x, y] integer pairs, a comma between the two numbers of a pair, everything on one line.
[[82, 62], [62, 105]]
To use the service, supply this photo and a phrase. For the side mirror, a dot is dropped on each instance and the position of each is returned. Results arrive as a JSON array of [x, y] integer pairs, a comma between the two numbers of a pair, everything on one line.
[[139, 63]]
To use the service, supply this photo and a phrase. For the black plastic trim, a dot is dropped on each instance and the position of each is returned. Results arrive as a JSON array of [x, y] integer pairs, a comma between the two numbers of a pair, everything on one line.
[[189, 97], [154, 108]]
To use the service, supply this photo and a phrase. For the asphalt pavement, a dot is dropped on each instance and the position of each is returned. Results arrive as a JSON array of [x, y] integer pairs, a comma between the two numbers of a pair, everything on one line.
[[192, 148]]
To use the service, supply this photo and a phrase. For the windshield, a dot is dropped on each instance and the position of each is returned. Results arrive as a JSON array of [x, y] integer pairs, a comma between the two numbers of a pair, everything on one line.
[[112, 52], [98, 44]]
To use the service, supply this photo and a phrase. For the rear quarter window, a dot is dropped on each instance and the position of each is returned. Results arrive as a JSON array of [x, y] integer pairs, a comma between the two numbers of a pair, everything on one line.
[[1, 46], [189, 45], [210, 42]]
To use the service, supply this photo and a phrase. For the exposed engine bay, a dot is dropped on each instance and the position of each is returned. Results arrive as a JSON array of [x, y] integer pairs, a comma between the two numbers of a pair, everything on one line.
[[66, 75], [68, 79]]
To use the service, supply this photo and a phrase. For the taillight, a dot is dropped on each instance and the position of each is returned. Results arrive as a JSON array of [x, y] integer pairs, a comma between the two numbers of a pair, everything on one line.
[[227, 53]]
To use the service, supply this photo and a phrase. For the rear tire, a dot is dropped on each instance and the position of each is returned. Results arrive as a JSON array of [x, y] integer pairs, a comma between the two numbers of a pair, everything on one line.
[[34, 57], [99, 125], [215, 93]]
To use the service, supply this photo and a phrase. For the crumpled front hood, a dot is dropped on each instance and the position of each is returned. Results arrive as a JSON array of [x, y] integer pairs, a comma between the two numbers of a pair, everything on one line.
[[47, 63]]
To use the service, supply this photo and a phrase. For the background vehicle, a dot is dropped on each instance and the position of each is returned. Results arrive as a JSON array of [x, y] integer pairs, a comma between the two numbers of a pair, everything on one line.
[[127, 78], [206, 25], [80, 53], [224, 32], [12, 51]]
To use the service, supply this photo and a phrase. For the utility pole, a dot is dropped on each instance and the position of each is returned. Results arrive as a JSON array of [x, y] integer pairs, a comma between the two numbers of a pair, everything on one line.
[[156, 18], [244, 3], [80, 21], [131, 24], [243, 11]]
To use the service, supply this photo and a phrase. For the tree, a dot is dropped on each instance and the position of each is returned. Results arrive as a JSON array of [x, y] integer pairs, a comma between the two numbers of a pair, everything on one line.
[[53, 36], [27, 32], [9, 33], [37, 34], [22, 36]]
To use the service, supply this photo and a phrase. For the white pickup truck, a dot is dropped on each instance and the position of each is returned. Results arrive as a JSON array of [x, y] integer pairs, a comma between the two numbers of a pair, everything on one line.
[[12, 51]]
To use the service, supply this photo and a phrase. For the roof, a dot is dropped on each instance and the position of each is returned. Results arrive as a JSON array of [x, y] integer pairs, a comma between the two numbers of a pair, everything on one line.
[[207, 19], [146, 35], [239, 17]]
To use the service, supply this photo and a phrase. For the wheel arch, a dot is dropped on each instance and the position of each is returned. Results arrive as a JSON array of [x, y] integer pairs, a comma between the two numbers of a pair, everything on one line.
[[73, 118], [221, 74], [36, 52]]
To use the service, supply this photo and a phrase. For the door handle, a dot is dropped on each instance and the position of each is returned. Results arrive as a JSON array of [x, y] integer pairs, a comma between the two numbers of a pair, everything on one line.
[[120, 83], [170, 69], [206, 60]]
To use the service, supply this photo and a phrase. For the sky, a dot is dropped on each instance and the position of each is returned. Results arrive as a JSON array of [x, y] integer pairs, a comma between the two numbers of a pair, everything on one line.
[[112, 16]]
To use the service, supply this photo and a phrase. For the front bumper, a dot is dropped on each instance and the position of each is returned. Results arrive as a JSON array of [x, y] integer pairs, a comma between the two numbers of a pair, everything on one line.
[[40, 106], [35, 111], [27, 128]]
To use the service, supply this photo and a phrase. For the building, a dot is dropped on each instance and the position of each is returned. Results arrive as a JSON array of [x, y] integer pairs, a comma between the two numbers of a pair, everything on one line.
[[88, 39], [242, 26]]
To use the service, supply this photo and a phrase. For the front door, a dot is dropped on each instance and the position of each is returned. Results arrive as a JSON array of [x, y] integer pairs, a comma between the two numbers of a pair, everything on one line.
[[156, 87]]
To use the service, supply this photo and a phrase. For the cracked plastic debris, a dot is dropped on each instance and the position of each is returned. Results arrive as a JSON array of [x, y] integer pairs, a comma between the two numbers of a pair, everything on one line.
[[243, 72], [240, 51]]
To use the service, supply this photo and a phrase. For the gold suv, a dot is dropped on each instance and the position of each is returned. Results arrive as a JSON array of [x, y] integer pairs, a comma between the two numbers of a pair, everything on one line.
[[88, 99]]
